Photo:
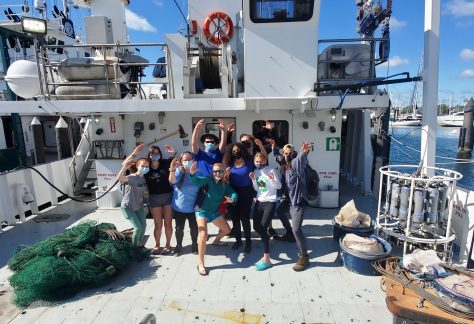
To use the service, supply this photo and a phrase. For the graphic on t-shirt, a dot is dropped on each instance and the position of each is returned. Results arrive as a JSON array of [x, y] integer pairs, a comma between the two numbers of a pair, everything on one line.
[[262, 183]]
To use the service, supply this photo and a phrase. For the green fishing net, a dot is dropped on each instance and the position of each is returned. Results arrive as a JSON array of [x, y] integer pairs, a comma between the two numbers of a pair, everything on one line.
[[83, 256]]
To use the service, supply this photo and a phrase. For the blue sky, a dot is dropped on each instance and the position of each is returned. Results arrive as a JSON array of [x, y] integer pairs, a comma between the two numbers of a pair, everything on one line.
[[149, 20]]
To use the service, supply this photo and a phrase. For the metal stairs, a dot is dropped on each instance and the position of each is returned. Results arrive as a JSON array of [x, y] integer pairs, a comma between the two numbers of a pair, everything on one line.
[[86, 183]]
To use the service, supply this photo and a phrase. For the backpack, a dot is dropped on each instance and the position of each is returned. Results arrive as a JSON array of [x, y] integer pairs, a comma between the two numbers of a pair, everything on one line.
[[312, 185]]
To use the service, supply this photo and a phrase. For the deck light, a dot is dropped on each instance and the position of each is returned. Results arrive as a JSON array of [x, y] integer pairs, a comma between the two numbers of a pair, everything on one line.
[[344, 116], [34, 26], [61, 123], [97, 119], [304, 102], [332, 112]]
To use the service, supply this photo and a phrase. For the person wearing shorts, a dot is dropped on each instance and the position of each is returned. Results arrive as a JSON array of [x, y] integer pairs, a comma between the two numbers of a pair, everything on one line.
[[159, 199], [217, 190]]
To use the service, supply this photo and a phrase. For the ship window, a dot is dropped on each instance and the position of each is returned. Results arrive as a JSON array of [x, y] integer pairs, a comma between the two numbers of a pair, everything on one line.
[[276, 129], [267, 11]]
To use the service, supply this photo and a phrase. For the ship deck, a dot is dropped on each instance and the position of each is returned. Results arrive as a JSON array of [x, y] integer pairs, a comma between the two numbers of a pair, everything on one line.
[[171, 288]]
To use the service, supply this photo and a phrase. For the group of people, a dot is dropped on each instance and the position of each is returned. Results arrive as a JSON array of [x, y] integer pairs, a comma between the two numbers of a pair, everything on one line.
[[203, 184]]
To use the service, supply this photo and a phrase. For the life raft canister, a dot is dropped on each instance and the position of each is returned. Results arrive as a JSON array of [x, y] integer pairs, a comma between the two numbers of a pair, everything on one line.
[[218, 37]]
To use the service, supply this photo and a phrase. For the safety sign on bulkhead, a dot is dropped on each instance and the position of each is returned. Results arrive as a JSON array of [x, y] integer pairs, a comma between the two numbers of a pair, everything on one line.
[[333, 143]]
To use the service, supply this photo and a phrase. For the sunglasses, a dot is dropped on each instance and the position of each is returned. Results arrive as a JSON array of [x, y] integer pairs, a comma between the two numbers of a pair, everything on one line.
[[212, 142], [217, 171]]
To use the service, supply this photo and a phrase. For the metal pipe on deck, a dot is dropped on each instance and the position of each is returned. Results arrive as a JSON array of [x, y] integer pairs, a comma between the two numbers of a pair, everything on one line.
[[430, 83]]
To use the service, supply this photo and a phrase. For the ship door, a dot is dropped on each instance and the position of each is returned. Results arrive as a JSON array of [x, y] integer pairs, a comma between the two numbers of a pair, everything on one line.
[[49, 133], [211, 126]]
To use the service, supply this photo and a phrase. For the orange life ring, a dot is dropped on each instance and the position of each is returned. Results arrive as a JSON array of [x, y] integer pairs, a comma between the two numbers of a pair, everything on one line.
[[218, 37]]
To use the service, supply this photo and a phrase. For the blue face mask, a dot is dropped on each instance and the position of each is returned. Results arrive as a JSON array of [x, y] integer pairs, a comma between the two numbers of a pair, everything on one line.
[[143, 170], [187, 164], [209, 147], [155, 157], [258, 165]]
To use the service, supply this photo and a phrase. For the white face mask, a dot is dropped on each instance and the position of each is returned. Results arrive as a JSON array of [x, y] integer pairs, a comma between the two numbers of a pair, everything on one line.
[[187, 164]]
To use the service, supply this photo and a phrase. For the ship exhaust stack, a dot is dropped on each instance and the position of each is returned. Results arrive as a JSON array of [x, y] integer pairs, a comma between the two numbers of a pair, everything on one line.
[[466, 135]]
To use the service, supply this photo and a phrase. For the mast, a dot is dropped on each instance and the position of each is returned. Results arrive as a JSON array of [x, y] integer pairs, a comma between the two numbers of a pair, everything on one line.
[[430, 82]]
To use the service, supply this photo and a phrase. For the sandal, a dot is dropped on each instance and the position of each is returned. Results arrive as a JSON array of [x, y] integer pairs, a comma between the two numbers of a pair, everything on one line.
[[166, 250], [155, 251], [202, 272]]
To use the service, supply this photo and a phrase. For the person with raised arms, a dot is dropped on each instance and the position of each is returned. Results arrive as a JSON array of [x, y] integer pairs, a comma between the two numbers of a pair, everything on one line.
[[132, 203], [266, 181], [295, 177], [183, 202], [208, 212], [213, 147]]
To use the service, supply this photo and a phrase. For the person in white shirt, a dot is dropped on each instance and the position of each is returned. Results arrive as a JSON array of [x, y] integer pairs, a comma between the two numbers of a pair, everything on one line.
[[266, 181]]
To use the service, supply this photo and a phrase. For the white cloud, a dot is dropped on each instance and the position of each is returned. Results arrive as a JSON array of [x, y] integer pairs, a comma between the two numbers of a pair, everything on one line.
[[397, 24], [136, 22], [468, 73], [158, 3], [467, 54], [460, 8], [395, 61]]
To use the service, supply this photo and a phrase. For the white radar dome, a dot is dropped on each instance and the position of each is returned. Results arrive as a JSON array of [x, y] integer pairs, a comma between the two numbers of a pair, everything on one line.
[[23, 80]]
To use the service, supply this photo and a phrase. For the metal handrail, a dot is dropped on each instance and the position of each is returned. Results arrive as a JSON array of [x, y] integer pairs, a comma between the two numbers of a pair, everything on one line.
[[48, 90]]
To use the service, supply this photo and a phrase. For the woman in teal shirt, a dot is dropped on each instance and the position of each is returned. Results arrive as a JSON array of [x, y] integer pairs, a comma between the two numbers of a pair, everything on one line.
[[217, 190]]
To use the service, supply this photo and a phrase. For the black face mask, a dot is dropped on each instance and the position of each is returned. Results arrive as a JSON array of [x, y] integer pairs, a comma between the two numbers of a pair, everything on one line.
[[288, 158], [246, 144], [236, 155]]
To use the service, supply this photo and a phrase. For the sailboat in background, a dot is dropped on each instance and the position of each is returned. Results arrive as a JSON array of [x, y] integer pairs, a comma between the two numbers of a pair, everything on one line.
[[413, 118], [453, 119]]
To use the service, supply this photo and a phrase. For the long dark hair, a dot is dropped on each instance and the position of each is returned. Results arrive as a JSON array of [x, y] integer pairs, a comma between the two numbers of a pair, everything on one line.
[[245, 154], [150, 151]]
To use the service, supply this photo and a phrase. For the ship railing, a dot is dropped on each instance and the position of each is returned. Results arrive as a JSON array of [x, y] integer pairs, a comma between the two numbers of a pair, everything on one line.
[[82, 154], [49, 79], [338, 56]]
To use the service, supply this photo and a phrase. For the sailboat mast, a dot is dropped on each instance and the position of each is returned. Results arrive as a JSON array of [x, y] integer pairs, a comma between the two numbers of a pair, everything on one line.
[[430, 82]]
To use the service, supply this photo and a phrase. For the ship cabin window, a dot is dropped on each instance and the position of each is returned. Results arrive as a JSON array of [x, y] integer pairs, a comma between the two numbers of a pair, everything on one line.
[[269, 11], [276, 129]]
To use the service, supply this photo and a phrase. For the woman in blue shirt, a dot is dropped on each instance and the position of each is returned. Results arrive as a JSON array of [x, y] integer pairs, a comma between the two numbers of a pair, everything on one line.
[[184, 200], [241, 164]]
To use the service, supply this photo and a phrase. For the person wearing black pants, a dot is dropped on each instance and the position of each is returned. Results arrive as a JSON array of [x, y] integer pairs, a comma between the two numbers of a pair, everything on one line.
[[240, 213], [241, 164], [266, 182], [180, 221], [184, 200], [295, 179]]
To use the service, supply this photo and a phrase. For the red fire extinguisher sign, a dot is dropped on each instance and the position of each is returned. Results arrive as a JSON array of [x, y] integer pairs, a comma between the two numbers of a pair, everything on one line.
[[112, 124]]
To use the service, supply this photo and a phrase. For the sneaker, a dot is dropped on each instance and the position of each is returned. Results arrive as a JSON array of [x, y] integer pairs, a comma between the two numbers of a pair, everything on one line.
[[248, 247], [194, 248], [262, 265], [237, 245], [302, 263], [288, 237], [178, 250]]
